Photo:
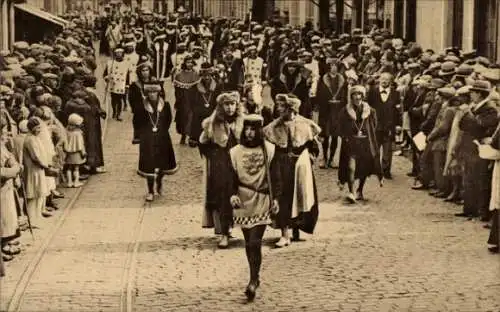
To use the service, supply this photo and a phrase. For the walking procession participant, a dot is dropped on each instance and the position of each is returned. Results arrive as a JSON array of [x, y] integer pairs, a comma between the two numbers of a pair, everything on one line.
[[136, 93], [296, 143], [185, 82], [221, 132], [156, 154], [117, 77], [256, 177], [330, 92], [204, 101], [359, 155]]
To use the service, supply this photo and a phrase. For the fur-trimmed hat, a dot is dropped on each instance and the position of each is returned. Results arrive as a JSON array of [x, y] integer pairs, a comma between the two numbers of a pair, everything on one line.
[[293, 102], [152, 87], [358, 89], [253, 120], [226, 97]]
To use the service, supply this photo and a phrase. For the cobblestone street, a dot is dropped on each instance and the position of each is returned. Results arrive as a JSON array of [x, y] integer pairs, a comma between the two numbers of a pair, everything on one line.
[[402, 250]]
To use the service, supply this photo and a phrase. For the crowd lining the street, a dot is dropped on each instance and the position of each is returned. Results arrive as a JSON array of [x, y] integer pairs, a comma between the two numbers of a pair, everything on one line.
[[368, 90], [50, 129]]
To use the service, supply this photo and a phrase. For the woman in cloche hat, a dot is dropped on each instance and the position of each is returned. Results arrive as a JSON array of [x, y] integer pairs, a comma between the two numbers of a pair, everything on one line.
[[359, 154]]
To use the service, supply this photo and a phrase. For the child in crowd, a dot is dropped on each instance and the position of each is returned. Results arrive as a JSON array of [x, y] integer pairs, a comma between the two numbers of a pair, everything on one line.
[[75, 150]]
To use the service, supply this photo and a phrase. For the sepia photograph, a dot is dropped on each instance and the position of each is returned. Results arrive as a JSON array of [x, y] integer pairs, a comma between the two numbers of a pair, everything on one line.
[[250, 155]]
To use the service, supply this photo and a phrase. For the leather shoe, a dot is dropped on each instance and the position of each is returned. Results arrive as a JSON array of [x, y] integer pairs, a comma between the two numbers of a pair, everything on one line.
[[440, 195], [433, 192], [224, 242], [462, 215], [251, 290], [493, 249], [84, 177], [283, 242], [419, 186]]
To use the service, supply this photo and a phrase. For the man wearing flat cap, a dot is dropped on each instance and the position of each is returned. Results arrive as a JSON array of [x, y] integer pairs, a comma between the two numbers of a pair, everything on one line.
[[428, 113], [50, 82]]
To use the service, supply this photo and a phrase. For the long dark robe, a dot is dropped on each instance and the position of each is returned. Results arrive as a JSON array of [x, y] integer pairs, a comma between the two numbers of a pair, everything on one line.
[[295, 84], [136, 100], [365, 151], [278, 133], [93, 132], [156, 153], [185, 84], [329, 98], [203, 105], [234, 75], [219, 177]]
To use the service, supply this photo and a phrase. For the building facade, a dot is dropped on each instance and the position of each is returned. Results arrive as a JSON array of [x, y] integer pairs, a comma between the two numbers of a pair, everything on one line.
[[6, 24], [467, 24], [299, 11]]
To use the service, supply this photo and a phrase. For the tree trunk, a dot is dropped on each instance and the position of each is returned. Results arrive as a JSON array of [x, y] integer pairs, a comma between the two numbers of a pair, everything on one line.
[[324, 14], [262, 10], [358, 10], [339, 12]]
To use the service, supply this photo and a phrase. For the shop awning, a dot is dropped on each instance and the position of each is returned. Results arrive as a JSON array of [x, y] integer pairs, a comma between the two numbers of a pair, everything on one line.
[[42, 14]]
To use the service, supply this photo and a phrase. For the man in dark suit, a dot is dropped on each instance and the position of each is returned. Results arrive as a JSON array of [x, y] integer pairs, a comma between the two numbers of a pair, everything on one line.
[[384, 99]]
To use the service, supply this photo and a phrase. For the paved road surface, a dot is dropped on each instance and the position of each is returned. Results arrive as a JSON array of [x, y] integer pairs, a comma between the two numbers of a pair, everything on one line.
[[402, 250]]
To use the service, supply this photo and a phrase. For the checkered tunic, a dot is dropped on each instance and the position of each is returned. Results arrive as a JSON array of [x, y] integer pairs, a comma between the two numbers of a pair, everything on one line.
[[248, 163]]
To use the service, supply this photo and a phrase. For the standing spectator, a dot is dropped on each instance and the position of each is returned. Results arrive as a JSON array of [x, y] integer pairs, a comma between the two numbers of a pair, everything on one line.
[[478, 123], [75, 150], [9, 172], [494, 239], [93, 129], [35, 164]]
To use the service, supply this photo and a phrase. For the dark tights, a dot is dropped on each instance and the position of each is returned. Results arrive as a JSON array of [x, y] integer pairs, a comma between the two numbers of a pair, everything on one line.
[[350, 183], [253, 248], [329, 145], [151, 183]]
